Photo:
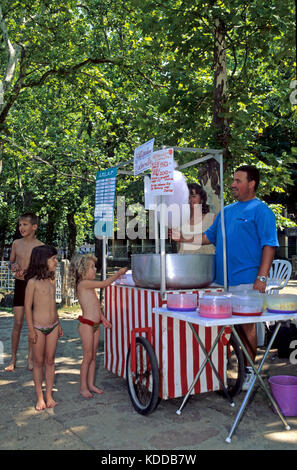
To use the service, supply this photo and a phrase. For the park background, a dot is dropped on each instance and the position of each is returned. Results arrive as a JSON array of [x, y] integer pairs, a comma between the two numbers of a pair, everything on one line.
[[84, 83]]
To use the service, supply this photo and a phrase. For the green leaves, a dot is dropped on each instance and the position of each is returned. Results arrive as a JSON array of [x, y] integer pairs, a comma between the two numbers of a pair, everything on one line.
[[96, 79]]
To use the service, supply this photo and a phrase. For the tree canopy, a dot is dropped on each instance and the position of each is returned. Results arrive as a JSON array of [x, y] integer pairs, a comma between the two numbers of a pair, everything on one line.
[[84, 83]]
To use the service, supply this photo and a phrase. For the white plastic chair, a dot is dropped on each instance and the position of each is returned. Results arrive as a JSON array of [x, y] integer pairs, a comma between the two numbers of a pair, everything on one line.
[[278, 277]]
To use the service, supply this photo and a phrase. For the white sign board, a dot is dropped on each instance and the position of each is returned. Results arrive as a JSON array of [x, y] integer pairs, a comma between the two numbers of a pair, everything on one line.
[[142, 157], [162, 167]]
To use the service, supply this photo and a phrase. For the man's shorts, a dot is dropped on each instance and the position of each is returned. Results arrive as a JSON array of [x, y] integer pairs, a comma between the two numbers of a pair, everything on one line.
[[19, 293]]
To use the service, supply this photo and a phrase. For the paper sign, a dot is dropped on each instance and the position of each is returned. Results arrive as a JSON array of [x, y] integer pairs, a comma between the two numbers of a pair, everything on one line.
[[104, 202], [142, 157], [149, 199], [162, 172]]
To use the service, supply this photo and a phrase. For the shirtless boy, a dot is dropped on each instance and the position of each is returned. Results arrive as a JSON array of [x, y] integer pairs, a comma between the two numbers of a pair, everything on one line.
[[20, 257], [82, 274]]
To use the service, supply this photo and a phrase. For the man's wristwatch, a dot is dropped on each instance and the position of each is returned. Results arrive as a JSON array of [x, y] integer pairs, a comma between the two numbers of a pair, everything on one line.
[[262, 278]]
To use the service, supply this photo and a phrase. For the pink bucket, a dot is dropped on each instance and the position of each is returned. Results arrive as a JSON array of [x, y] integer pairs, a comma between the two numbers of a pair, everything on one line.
[[284, 391]]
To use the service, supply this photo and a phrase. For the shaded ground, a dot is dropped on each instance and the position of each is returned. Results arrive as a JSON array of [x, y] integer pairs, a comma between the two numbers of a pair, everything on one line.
[[109, 422]]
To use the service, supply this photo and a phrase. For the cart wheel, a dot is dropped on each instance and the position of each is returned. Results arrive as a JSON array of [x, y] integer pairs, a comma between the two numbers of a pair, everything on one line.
[[235, 367], [143, 386]]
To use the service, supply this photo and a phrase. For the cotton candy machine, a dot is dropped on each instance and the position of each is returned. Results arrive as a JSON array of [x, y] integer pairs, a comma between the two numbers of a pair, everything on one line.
[[183, 271]]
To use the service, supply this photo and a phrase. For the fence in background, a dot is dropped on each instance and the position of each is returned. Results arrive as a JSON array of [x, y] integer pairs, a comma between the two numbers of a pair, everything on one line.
[[63, 292]]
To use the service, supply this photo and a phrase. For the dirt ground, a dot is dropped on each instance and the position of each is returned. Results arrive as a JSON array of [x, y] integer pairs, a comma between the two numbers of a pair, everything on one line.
[[109, 423]]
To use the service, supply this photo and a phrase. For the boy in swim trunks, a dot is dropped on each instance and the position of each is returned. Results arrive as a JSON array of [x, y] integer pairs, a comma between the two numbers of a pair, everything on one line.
[[82, 274], [19, 258]]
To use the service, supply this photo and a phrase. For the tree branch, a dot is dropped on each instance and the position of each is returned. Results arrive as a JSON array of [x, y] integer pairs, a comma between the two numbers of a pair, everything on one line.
[[13, 52], [70, 70], [45, 162]]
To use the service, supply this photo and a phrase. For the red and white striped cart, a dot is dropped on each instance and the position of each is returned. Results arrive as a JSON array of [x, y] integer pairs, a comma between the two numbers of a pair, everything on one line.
[[159, 356], [177, 354]]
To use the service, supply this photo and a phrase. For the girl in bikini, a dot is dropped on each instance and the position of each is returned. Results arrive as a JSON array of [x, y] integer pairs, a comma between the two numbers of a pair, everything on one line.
[[42, 319], [82, 274]]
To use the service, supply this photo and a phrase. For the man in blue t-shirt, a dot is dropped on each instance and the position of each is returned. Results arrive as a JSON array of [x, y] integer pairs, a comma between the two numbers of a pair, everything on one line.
[[251, 239]]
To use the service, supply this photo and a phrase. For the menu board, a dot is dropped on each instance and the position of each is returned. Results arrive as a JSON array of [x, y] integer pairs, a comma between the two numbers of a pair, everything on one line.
[[162, 181], [142, 157], [104, 202]]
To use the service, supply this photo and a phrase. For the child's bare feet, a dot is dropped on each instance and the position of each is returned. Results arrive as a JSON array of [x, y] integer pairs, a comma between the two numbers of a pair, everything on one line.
[[50, 402], [40, 405], [10, 368], [86, 394], [96, 390]]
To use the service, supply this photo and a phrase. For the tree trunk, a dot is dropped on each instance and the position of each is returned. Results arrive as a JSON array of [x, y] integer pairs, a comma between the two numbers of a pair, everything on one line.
[[220, 106], [3, 231], [50, 228], [210, 171], [72, 234]]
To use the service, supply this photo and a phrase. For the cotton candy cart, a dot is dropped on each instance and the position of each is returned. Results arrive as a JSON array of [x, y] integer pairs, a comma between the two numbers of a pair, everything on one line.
[[140, 343], [159, 357]]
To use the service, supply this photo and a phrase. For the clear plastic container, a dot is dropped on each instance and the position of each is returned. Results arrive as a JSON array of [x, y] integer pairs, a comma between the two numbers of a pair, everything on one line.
[[182, 302], [247, 304], [215, 306], [126, 279], [277, 303]]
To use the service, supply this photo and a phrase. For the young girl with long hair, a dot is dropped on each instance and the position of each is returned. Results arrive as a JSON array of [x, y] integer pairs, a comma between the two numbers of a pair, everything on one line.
[[42, 319], [82, 273]]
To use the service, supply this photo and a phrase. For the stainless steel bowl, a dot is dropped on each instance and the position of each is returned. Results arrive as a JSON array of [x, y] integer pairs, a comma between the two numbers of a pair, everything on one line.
[[183, 271]]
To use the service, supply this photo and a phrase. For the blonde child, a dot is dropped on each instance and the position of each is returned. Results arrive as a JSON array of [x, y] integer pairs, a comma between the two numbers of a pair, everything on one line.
[[19, 258], [82, 273], [42, 319]]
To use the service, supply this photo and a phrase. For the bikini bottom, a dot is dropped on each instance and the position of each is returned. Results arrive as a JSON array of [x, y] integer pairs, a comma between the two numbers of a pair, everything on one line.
[[46, 330], [95, 326]]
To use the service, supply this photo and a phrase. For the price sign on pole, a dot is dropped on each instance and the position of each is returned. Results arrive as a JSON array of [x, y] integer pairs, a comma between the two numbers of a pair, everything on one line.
[[104, 202], [162, 181]]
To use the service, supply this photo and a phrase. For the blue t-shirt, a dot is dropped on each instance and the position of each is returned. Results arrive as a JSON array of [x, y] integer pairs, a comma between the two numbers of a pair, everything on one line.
[[250, 225]]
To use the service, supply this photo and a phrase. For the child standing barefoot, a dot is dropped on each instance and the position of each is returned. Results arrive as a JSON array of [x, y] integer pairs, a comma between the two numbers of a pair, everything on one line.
[[42, 319], [19, 258], [82, 277]]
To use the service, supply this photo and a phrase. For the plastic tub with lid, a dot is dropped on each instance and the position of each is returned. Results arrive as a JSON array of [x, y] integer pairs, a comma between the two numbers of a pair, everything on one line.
[[247, 304], [182, 302], [215, 306], [281, 303], [126, 279]]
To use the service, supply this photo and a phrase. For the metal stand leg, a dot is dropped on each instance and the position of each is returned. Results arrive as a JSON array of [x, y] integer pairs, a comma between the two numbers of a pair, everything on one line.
[[207, 360], [257, 376]]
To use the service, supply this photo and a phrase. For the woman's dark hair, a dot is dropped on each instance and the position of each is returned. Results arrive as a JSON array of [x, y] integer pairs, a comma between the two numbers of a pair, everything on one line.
[[38, 262], [203, 196]]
